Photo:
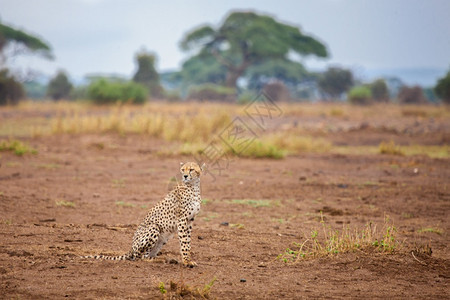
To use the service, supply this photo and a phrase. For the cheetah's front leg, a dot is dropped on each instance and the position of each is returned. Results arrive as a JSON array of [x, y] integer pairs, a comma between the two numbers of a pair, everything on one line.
[[184, 235]]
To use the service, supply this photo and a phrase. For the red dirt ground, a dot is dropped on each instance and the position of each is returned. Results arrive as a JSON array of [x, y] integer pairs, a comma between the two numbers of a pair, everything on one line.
[[114, 180]]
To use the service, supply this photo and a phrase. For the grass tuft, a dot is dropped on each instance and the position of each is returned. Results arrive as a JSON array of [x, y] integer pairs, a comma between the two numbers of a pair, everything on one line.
[[390, 148], [328, 242], [255, 203], [436, 230], [179, 289], [124, 204], [63, 203], [17, 147]]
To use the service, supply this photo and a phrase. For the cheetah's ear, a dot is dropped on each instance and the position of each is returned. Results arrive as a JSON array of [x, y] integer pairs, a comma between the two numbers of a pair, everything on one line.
[[181, 164], [203, 167]]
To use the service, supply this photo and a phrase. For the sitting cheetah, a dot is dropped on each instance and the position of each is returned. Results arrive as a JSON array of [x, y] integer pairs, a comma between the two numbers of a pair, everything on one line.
[[174, 214]]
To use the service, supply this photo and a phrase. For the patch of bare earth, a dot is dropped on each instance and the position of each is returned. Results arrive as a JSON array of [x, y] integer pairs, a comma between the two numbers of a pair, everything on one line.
[[85, 194]]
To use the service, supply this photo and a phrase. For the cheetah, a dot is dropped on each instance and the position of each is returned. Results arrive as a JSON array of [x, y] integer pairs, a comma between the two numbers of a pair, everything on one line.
[[174, 214]]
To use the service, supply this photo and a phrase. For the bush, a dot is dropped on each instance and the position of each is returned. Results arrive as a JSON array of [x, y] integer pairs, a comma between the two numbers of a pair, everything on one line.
[[411, 95], [359, 95], [102, 92], [442, 88], [11, 91], [211, 92], [379, 89], [59, 87], [276, 91]]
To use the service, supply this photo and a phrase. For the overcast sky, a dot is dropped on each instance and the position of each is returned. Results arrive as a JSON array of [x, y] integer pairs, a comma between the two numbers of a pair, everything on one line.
[[102, 36]]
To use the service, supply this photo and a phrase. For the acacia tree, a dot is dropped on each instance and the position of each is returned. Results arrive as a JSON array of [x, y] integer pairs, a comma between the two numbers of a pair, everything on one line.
[[14, 42], [247, 38], [20, 42]]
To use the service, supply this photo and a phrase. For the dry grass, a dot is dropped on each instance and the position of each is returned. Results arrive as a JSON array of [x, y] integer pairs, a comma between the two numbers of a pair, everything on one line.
[[390, 148], [181, 290], [189, 127], [328, 242]]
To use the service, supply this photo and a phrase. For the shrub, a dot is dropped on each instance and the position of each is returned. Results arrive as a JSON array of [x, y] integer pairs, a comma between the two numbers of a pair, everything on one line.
[[276, 91], [103, 91], [359, 95], [211, 92], [335, 81], [59, 87], [411, 95], [379, 89], [442, 88], [11, 91], [390, 148]]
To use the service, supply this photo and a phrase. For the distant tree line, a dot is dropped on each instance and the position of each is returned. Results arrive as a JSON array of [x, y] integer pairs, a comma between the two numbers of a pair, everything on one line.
[[246, 54]]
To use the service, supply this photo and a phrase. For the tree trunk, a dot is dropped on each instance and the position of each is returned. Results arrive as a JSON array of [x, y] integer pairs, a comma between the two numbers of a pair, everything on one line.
[[231, 79], [233, 74]]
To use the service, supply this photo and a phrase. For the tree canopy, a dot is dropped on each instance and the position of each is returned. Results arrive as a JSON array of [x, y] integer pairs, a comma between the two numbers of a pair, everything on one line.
[[247, 38], [23, 41]]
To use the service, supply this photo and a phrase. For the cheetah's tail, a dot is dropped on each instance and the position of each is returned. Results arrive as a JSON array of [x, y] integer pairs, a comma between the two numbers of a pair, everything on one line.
[[128, 256]]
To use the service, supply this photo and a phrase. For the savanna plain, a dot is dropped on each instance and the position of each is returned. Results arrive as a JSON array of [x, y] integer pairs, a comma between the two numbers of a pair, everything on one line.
[[324, 200]]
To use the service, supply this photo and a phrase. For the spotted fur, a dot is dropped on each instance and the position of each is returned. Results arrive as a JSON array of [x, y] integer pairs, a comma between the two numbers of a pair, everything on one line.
[[173, 215]]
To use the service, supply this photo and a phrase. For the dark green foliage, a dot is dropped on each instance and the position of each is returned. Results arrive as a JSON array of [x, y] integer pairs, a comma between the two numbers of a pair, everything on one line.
[[442, 88], [247, 38], [359, 95], [289, 72], [335, 81], [201, 69], [11, 91], [146, 74], [59, 87], [211, 92], [411, 95], [103, 91], [30, 42], [379, 89]]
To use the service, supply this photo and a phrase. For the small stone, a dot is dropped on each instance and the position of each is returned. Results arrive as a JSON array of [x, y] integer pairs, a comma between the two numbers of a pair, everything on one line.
[[114, 277], [302, 178], [200, 237], [224, 224], [243, 280]]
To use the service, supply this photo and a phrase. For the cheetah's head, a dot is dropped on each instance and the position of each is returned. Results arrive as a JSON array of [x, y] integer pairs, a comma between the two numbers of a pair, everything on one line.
[[190, 171]]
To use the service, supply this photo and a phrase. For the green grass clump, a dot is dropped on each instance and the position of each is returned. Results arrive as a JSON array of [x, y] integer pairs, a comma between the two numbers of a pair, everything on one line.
[[431, 229], [259, 149], [17, 147], [63, 203], [254, 203], [329, 242], [124, 204], [390, 148]]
